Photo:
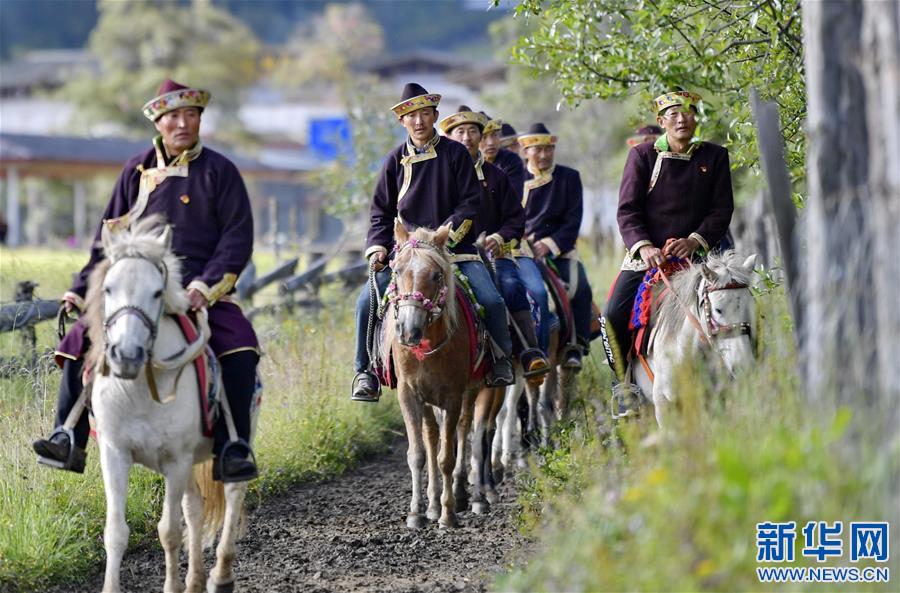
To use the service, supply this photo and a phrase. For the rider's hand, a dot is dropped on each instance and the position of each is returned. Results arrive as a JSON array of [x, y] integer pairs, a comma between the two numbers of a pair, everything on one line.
[[198, 301], [380, 259], [683, 248], [68, 302], [492, 247], [541, 250], [652, 255]]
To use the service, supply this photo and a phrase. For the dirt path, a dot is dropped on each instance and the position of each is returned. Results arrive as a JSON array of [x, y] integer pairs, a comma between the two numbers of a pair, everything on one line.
[[349, 534]]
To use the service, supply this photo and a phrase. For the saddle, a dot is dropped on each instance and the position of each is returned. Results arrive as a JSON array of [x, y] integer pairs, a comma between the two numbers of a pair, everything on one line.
[[649, 294], [478, 361]]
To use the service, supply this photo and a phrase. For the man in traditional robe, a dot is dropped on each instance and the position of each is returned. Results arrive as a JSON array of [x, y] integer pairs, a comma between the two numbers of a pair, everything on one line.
[[675, 200], [509, 139], [427, 182], [553, 201], [502, 219], [202, 195], [508, 161]]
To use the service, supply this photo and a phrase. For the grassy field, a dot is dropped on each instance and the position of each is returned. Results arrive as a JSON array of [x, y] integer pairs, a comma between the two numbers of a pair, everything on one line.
[[51, 522], [625, 508]]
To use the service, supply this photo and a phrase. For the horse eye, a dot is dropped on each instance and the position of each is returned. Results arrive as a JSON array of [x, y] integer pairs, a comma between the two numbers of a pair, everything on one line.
[[107, 290], [719, 311], [157, 294], [436, 277]]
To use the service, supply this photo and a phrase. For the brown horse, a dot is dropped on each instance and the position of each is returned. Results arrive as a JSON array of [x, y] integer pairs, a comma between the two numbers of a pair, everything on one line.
[[431, 357]]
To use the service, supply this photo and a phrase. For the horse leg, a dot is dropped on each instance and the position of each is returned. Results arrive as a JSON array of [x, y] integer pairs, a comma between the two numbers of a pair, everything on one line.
[[432, 436], [221, 578], [448, 463], [534, 396], [497, 440], [192, 507], [509, 438], [415, 454], [459, 432], [116, 465], [169, 526], [479, 432]]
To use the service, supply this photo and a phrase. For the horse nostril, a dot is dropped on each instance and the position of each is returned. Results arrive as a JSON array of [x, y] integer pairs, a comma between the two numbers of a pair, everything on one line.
[[139, 353], [415, 335], [114, 352]]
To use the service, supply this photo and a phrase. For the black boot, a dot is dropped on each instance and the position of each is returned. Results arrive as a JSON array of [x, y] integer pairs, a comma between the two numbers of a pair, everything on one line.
[[235, 461], [501, 373], [534, 362], [572, 358], [365, 387], [57, 450]]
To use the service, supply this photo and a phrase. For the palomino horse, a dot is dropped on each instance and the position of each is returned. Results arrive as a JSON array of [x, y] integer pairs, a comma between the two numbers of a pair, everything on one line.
[[709, 307], [132, 339], [432, 363]]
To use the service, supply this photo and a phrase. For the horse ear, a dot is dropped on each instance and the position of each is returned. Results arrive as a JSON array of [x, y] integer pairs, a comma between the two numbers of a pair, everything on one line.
[[105, 236], [707, 273], [441, 235], [750, 264], [401, 235], [166, 238]]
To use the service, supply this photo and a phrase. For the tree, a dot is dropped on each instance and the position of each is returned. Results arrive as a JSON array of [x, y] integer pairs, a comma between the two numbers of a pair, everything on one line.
[[142, 42], [852, 331], [619, 48]]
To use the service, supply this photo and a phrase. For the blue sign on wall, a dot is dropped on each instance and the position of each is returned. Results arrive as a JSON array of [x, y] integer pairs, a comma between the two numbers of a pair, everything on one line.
[[329, 137]]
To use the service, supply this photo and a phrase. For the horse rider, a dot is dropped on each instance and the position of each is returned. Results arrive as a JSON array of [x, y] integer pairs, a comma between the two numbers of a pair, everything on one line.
[[502, 219], [509, 140], [675, 200], [427, 182], [201, 193], [508, 161], [648, 133], [552, 197]]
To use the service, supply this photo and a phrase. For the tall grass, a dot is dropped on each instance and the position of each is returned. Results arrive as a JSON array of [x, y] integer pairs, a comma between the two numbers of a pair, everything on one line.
[[627, 508], [51, 522]]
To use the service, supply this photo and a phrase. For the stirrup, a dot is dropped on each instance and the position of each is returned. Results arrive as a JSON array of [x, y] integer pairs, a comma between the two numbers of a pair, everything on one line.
[[68, 463], [366, 397], [219, 467]]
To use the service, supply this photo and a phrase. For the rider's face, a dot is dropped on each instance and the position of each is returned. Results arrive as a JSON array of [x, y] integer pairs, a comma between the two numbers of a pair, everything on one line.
[[469, 135], [490, 145], [180, 129], [420, 124], [540, 157]]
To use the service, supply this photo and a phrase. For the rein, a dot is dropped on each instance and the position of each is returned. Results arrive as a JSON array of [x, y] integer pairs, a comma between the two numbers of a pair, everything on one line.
[[175, 362]]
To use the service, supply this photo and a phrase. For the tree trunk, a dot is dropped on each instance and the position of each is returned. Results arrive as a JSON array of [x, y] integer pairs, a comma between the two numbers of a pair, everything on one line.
[[851, 336]]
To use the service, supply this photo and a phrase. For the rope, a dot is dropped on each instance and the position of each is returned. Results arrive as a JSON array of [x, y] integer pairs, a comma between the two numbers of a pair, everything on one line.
[[373, 304]]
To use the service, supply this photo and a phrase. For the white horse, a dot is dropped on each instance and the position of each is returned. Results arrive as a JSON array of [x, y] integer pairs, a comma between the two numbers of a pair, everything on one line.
[[708, 308], [138, 281]]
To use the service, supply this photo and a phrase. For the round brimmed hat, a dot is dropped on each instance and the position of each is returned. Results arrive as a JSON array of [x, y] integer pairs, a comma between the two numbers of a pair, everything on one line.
[[172, 96], [415, 97], [672, 98], [537, 135], [463, 115], [508, 136], [645, 134], [492, 125]]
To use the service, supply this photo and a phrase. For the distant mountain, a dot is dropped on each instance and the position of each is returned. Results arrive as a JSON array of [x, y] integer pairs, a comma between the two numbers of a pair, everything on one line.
[[409, 25]]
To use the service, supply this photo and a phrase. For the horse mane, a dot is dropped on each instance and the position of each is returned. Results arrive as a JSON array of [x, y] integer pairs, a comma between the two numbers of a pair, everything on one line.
[[141, 239], [727, 267], [440, 259]]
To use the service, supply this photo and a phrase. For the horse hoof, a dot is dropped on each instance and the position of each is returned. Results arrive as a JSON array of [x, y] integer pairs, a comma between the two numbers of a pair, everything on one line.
[[433, 514], [462, 504], [498, 475], [415, 521], [492, 496], [480, 508], [521, 463], [212, 587], [449, 522]]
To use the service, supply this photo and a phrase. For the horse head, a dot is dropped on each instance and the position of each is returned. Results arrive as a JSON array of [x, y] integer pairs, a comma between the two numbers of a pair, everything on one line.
[[139, 279], [421, 289], [727, 309]]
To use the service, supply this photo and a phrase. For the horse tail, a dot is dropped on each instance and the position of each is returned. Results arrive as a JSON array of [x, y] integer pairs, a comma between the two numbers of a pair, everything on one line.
[[213, 493]]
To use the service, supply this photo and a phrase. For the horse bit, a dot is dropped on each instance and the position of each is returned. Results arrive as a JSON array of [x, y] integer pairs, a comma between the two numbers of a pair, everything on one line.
[[433, 306], [713, 329]]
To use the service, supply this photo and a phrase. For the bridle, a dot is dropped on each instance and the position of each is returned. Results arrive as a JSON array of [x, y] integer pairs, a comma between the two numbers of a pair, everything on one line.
[[713, 329], [150, 322], [434, 306]]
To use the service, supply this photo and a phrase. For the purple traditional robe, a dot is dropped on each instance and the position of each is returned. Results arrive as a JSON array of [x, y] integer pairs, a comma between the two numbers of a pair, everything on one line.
[[206, 202], [501, 213], [441, 188], [511, 164], [689, 197], [553, 208]]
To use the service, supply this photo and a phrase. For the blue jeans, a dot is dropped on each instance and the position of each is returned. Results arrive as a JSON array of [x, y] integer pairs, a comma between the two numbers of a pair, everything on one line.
[[512, 289], [534, 283], [486, 293], [482, 286]]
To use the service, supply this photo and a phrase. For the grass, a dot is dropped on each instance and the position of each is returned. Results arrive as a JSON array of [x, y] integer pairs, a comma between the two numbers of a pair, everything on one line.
[[625, 508], [51, 522]]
